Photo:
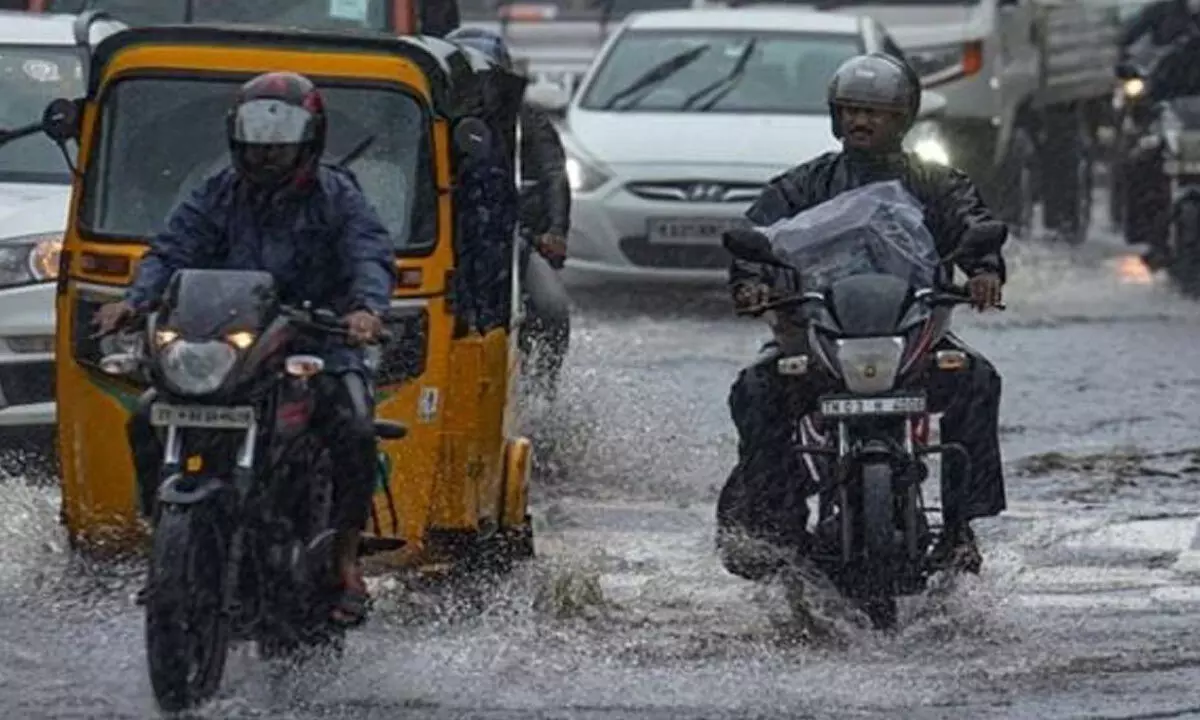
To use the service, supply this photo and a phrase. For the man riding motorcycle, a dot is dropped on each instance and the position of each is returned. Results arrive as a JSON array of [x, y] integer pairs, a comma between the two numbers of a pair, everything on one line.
[[873, 100], [545, 215], [1164, 21], [277, 209]]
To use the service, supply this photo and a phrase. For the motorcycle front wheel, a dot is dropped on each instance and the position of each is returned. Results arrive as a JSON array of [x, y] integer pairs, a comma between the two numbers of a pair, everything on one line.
[[878, 514], [187, 634]]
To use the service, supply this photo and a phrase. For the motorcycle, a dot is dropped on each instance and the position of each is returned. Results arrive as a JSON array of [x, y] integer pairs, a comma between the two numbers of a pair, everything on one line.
[[869, 338], [1163, 168], [242, 546]]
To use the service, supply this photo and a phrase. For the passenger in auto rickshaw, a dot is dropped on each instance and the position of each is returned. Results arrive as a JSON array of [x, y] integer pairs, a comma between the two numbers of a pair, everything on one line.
[[278, 209]]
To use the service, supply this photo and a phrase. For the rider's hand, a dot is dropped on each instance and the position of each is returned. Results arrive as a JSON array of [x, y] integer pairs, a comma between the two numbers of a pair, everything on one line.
[[111, 315], [986, 290], [363, 326], [748, 296], [552, 246]]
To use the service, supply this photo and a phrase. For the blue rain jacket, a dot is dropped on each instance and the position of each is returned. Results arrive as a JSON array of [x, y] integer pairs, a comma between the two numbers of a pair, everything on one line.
[[322, 243]]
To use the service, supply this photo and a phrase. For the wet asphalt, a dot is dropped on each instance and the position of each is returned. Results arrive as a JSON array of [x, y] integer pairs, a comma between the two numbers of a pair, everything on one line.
[[1088, 607]]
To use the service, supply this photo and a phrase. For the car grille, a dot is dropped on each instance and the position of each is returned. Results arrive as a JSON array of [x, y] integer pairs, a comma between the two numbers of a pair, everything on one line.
[[680, 257], [27, 383], [711, 191]]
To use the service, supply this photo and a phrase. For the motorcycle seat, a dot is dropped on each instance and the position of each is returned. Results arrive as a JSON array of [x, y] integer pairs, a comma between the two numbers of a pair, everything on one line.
[[389, 430]]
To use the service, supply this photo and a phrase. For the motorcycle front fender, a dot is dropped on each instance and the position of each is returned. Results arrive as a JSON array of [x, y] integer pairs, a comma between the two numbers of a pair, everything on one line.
[[191, 489]]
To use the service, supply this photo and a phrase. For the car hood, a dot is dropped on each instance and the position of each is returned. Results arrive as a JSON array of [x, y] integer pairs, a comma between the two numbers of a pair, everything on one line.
[[27, 208], [768, 141]]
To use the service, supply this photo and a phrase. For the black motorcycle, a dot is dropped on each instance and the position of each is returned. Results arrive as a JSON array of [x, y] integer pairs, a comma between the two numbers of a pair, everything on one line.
[[871, 338], [1162, 175], [243, 538]]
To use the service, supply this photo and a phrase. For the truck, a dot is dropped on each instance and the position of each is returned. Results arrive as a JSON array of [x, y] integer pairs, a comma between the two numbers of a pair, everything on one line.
[[1028, 84]]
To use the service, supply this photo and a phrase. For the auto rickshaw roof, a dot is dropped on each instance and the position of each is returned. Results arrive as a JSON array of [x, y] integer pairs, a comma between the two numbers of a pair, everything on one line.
[[456, 74]]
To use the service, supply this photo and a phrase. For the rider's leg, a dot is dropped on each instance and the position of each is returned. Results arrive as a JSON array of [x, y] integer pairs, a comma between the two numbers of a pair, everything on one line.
[[549, 319], [346, 420], [147, 450], [762, 511], [971, 402]]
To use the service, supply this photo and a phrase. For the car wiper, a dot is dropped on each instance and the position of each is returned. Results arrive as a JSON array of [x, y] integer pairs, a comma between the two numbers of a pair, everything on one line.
[[726, 83], [356, 151], [657, 74]]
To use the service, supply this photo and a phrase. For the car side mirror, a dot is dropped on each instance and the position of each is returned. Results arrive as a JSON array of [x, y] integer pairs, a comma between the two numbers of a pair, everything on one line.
[[932, 105], [548, 97], [750, 245]]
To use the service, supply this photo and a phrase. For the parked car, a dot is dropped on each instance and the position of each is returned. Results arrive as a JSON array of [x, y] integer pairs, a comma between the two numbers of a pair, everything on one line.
[[684, 117], [39, 61]]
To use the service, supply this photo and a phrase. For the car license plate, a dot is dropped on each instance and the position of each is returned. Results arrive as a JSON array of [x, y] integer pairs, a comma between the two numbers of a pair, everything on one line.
[[689, 231], [851, 407], [202, 416]]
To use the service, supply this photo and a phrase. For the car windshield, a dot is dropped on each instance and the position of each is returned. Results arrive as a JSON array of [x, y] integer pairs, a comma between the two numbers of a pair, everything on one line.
[[719, 71], [578, 10], [30, 77], [308, 14], [876, 228], [161, 137]]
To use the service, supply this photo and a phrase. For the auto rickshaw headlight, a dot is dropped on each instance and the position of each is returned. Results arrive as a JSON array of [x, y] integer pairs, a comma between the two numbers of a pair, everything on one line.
[[1133, 87], [197, 368], [29, 259]]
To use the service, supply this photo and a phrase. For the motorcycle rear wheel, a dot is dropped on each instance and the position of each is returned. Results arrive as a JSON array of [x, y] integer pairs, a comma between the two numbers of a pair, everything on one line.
[[187, 634]]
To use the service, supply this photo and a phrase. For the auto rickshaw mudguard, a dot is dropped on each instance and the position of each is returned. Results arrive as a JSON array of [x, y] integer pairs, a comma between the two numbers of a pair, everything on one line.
[[451, 384]]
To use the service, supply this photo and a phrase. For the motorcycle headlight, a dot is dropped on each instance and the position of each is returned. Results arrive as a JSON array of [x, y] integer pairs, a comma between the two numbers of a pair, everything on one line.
[[869, 365], [29, 259], [197, 368], [927, 141], [1133, 87]]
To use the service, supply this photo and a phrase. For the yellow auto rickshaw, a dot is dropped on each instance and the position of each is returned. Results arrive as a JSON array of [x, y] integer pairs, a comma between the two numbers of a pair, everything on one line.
[[405, 114]]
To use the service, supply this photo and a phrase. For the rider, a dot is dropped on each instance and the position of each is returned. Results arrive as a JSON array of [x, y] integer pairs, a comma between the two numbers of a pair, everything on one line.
[[545, 213], [1164, 21], [873, 100], [278, 209]]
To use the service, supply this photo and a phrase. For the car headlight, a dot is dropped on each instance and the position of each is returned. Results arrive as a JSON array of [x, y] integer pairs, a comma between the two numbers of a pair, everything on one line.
[[583, 177], [927, 141], [29, 259], [197, 368], [869, 365]]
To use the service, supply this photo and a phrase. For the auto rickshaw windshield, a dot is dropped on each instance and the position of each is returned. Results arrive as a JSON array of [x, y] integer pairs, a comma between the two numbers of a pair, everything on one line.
[[161, 137], [30, 77]]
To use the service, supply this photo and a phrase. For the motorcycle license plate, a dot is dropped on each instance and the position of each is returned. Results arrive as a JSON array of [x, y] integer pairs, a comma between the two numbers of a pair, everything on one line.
[[851, 407], [202, 416]]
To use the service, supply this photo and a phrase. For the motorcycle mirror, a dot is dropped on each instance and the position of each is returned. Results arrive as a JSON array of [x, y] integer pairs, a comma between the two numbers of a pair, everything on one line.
[[60, 120], [472, 138], [746, 244], [1126, 71]]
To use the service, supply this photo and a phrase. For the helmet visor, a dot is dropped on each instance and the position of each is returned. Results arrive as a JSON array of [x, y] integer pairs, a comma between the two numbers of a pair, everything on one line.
[[271, 122]]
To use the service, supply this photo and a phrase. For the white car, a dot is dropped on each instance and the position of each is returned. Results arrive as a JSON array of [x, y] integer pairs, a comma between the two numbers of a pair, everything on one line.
[[683, 118], [40, 60]]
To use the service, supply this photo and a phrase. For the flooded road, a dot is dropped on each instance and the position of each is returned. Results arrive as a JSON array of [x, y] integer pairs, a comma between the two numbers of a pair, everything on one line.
[[1088, 606]]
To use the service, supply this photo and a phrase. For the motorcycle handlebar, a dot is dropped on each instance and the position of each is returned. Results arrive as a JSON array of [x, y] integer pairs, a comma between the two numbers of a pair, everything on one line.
[[326, 322], [945, 295]]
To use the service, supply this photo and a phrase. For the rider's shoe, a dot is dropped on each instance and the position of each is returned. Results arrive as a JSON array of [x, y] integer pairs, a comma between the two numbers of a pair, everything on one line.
[[957, 550]]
